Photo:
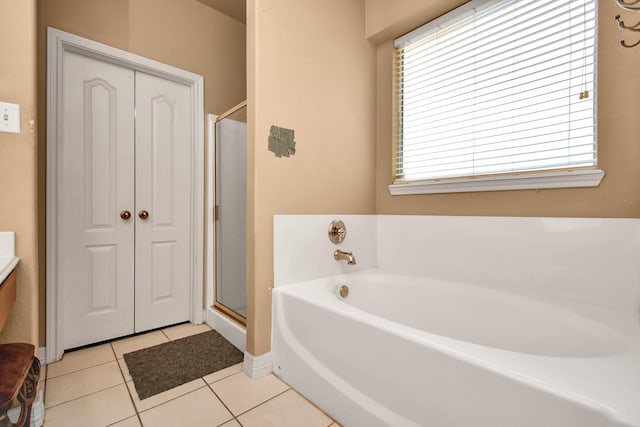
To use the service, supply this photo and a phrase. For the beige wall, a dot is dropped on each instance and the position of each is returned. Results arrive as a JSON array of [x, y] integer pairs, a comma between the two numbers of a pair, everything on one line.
[[18, 162], [618, 128], [310, 69], [184, 33], [386, 19]]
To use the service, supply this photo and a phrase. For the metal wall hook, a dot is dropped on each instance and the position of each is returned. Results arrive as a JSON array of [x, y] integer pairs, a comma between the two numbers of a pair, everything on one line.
[[628, 5], [626, 27], [624, 44]]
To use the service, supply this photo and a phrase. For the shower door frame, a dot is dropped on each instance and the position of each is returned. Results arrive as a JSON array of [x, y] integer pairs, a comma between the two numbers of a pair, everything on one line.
[[212, 219]]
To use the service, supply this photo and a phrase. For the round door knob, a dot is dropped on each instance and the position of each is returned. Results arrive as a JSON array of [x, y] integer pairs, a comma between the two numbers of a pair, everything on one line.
[[125, 215], [143, 214]]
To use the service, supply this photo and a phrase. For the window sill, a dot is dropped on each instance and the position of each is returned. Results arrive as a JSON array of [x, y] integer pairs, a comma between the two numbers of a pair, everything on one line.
[[529, 181]]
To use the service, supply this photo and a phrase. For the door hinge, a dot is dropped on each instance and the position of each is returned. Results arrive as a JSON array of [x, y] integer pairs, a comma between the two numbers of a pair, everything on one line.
[[216, 212]]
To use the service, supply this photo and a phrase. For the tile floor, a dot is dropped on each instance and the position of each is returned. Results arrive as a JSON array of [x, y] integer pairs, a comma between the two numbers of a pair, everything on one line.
[[92, 388]]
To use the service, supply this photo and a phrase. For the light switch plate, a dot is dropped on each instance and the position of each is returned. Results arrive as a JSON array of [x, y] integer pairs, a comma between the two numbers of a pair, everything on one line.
[[9, 117]]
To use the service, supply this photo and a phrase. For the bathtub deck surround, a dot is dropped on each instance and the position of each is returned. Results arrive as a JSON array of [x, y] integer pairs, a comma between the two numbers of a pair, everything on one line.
[[303, 250], [488, 321], [584, 260], [8, 262], [8, 258]]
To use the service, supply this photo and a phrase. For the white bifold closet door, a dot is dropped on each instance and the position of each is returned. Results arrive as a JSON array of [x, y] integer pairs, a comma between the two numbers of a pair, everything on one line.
[[163, 129], [125, 203]]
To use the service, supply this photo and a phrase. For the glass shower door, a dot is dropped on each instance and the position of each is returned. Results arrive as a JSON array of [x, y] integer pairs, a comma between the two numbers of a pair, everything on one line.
[[231, 190]]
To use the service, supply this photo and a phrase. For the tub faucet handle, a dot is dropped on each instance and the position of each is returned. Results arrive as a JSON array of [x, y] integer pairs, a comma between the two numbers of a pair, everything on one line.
[[345, 255]]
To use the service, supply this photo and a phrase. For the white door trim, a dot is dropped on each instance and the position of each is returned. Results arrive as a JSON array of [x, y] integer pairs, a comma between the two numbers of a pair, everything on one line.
[[57, 43]]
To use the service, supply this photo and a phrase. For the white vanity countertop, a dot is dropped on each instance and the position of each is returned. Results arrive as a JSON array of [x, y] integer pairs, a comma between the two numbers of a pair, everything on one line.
[[8, 258]]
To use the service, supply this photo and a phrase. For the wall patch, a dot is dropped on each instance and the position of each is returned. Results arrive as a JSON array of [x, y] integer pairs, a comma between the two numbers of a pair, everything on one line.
[[281, 142]]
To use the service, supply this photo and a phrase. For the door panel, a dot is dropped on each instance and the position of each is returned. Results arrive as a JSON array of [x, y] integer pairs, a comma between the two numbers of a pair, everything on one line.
[[95, 244], [163, 182], [163, 140], [103, 281]]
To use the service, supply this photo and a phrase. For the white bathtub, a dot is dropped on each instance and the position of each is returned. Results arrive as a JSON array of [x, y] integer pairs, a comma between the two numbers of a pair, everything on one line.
[[408, 351]]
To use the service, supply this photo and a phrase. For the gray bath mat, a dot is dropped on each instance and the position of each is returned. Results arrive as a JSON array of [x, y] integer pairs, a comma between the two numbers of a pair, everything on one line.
[[162, 367]]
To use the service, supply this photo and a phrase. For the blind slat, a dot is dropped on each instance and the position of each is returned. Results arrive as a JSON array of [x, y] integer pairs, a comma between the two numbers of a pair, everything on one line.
[[497, 89], [521, 69], [551, 137], [500, 103], [543, 35]]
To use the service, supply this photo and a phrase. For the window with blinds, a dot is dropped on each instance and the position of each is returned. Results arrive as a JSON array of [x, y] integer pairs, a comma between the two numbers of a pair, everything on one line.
[[496, 87]]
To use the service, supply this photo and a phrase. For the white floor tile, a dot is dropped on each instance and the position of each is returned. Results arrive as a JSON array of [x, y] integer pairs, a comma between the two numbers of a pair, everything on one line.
[[223, 373], [185, 330], [240, 393], [150, 402], [127, 345], [125, 370], [200, 408], [99, 409], [129, 422], [286, 410], [80, 383], [81, 359]]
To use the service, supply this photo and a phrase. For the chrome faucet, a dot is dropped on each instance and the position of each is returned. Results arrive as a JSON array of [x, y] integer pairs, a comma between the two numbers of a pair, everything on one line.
[[345, 255]]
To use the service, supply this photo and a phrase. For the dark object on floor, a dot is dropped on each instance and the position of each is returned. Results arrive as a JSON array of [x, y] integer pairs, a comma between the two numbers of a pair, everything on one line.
[[162, 367], [19, 373]]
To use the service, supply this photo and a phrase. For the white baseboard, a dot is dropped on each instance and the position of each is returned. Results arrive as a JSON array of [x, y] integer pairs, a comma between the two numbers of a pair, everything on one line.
[[257, 367], [232, 332]]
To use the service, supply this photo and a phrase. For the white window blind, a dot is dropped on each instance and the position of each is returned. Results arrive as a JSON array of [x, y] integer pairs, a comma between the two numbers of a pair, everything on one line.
[[497, 87]]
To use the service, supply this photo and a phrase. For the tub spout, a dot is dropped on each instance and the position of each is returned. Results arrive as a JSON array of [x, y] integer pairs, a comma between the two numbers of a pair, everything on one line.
[[345, 255]]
